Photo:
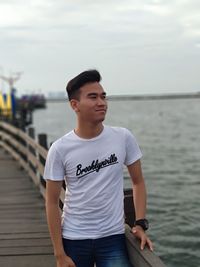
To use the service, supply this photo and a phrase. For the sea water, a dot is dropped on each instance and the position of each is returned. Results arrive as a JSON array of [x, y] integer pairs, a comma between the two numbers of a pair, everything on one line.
[[168, 132]]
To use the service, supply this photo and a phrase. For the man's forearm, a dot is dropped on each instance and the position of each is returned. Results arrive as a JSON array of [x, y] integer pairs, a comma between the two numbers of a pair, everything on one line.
[[139, 196], [54, 223]]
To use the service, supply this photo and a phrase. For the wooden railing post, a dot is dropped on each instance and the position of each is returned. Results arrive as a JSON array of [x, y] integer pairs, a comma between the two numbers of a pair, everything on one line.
[[129, 209], [31, 132], [42, 140], [31, 151], [22, 142]]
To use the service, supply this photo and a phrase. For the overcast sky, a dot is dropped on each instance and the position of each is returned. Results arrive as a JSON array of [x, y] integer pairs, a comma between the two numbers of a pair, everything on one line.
[[139, 46]]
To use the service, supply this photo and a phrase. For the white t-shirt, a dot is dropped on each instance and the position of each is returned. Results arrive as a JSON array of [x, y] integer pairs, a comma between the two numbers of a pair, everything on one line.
[[93, 172]]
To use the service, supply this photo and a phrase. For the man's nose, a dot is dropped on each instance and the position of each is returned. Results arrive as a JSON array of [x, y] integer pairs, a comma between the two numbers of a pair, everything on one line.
[[101, 101]]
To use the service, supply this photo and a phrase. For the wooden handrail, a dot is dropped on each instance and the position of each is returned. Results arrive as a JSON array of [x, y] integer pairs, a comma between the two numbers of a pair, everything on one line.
[[25, 150], [28, 152]]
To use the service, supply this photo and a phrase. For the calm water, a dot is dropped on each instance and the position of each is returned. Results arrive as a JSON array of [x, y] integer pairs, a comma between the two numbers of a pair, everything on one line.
[[168, 132]]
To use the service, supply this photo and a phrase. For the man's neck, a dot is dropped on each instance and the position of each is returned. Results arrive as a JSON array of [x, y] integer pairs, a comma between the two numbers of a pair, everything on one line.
[[89, 131]]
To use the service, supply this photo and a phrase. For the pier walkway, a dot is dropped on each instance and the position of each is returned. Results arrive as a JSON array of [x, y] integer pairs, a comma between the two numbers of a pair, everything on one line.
[[24, 237]]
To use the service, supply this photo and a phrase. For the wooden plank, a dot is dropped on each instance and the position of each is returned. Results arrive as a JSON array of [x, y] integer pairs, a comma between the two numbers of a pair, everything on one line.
[[30, 227], [26, 250], [9, 127], [24, 234], [12, 215], [138, 257], [28, 261], [30, 141], [23, 163], [6, 243], [42, 151], [27, 235], [43, 191], [40, 168], [10, 150], [14, 142], [34, 177], [23, 149], [32, 158]]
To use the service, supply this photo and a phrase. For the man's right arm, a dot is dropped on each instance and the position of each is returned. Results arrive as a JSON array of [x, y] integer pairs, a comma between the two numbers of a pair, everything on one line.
[[53, 189]]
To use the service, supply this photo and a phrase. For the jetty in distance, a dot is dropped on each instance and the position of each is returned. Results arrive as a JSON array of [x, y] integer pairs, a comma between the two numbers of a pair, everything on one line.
[[154, 96], [136, 97]]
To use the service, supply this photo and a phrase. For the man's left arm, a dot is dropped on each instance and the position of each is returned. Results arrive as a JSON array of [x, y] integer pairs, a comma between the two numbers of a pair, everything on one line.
[[139, 197]]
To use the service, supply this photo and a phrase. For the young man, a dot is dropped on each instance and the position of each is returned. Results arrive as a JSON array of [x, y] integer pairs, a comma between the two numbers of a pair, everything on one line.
[[90, 159]]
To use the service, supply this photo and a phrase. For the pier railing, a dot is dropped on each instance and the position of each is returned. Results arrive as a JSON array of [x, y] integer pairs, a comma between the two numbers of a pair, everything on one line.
[[31, 155], [28, 152]]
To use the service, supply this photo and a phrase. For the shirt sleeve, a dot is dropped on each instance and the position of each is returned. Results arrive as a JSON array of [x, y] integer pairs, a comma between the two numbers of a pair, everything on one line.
[[54, 168], [133, 152]]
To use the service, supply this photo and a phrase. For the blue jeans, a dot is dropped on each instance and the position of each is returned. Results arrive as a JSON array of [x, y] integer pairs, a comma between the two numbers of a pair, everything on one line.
[[108, 251]]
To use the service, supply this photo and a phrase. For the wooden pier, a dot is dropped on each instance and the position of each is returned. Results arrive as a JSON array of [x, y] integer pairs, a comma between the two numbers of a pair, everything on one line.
[[24, 236]]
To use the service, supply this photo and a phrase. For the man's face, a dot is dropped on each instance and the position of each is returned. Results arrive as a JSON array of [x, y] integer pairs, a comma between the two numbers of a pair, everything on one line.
[[92, 104]]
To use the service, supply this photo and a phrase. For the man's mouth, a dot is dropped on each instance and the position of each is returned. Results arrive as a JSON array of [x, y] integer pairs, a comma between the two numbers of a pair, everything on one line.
[[100, 110]]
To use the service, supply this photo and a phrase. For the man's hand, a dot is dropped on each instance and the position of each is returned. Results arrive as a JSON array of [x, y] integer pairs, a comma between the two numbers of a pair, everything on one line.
[[64, 261], [139, 233]]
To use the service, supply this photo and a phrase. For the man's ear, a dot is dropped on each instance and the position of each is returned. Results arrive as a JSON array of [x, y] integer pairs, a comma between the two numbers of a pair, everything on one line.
[[74, 104]]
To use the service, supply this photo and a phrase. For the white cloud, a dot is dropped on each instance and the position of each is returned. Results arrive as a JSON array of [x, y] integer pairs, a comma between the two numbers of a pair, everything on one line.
[[135, 37]]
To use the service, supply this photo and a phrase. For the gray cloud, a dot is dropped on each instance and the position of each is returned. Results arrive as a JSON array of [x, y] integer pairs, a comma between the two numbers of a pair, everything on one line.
[[143, 46]]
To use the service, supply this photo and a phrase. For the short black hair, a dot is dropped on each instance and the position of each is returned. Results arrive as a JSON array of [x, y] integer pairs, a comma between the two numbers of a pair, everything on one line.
[[73, 86]]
